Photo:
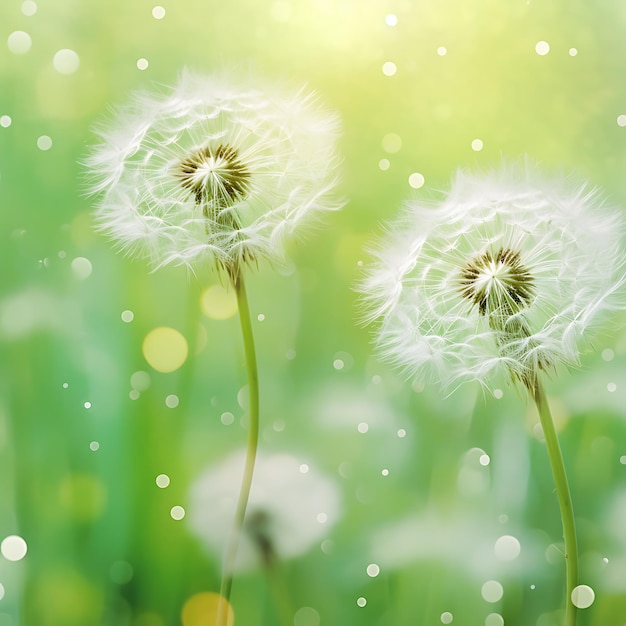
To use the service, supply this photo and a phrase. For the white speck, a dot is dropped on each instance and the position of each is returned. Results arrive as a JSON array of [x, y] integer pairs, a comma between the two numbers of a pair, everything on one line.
[[385, 472], [389, 68], [1, 591], [44, 143], [304, 468], [446, 618], [416, 180], [492, 591], [87, 405], [158, 13], [384, 164], [542, 48], [171, 401], [484, 460], [322, 518], [611, 387], [372, 570], [507, 548], [140, 380], [142, 64], [607, 353], [177, 513], [494, 619], [391, 19], [401, 433], [533, 587], [338, 364], [583, 596], [391, 143], [29, 7], [622, 459], [19, 42], [605, 561], [66, 61], [5, 121], [162, 481], [477, 145], [94, 446], [363, 427], [621, 120], [13, 548], [442, 51], [361, 601], [127, 316], [260, 317], [81, 267], [65, 385], [134, 394], [573, 52], [227, 418]]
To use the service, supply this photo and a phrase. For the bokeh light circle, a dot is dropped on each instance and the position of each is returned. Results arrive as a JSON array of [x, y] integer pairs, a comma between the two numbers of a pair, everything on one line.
[[583, 596], [218, 303], [165, 349], [492, 591], [13, 548], [201, 610]]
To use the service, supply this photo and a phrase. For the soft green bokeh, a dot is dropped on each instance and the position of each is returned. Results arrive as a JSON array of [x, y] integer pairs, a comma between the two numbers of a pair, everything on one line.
[[102, 547]]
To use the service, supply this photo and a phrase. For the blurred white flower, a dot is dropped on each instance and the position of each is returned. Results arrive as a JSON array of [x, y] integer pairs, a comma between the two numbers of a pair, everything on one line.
[[214, 170], [508, 272], [291, 507]]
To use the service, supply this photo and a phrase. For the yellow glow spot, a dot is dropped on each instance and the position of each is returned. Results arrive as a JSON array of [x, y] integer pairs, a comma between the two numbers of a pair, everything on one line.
[[165, 349], [201, 610], [142, 64], [542, 48], [218, 303]]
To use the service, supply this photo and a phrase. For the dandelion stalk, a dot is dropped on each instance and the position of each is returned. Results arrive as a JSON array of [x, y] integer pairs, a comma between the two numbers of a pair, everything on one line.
[[251, 449], [563, 495]]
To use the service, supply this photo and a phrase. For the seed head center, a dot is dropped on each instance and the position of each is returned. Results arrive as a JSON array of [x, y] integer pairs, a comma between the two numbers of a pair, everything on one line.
[[216, 176], [498, 283]]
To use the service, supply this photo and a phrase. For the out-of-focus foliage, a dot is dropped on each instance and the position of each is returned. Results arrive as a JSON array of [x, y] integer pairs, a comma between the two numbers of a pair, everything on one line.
[[430, 484]]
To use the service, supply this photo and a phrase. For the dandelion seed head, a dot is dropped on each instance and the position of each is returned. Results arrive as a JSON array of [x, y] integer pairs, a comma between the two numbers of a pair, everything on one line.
[[288, 512], [509, 272], [214, 170]]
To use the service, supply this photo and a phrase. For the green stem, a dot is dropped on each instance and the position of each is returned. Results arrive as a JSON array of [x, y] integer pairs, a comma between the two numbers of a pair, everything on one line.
[[564, 497], [251, 450]]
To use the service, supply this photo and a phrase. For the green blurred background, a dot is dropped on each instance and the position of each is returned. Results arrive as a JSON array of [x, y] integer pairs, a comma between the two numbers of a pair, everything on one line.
[[423, 87]]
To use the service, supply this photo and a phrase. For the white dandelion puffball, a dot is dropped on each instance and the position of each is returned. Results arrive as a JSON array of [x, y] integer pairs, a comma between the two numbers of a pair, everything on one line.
[[213, 170], [507, 273], [291, 507]]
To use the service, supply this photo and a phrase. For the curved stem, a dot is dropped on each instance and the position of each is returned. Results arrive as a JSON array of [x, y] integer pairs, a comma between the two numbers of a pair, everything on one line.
[[564, 497], [251, 450]]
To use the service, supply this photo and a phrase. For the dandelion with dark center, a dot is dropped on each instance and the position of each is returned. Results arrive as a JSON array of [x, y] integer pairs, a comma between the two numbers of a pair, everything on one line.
[[174, 178], [552, 261]]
